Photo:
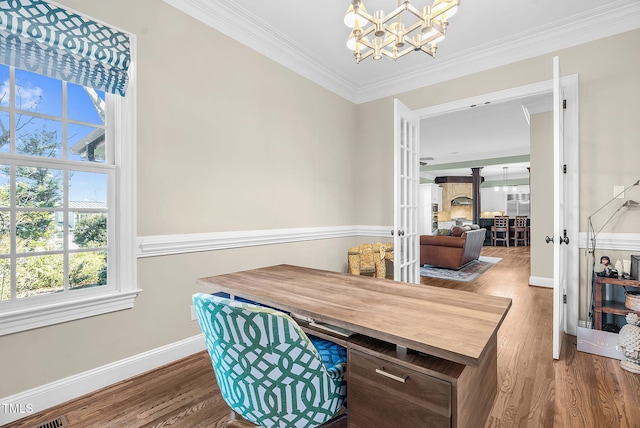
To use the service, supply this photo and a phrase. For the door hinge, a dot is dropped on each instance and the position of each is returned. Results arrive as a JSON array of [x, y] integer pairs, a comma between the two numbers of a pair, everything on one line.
[[564, 103], [564, 298], [564, 168]]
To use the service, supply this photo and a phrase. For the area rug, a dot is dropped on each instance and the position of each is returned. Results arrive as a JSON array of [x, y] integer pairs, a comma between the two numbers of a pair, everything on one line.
[[467, 273]]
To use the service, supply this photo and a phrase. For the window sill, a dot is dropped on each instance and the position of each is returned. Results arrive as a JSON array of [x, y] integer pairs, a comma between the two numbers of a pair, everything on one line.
[[48, 314]]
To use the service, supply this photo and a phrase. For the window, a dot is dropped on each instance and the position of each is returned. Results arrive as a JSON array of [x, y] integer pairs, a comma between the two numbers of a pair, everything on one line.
[[67, 182]]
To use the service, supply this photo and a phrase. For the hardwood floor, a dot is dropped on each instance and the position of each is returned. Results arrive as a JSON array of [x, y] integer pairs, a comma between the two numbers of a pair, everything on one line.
[[580, 390]]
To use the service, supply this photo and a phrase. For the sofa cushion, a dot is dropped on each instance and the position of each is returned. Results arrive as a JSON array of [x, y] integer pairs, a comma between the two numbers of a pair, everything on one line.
[[442, 241], [443, 232], [457, 231]]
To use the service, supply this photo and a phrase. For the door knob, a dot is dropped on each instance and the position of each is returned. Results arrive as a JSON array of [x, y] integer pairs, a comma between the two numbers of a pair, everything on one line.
[[565, 238], [547, 239]]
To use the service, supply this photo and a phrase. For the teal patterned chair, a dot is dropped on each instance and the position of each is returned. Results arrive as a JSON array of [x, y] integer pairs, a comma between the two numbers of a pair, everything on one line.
[[268, 370]]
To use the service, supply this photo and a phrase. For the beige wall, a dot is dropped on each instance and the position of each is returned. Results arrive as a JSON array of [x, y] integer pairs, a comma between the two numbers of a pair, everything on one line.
[[541, 181], [229, 140]]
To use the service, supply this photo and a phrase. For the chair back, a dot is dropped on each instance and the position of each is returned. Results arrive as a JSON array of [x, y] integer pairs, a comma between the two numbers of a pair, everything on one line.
[[520, 222], [267, 369], [501, 222]]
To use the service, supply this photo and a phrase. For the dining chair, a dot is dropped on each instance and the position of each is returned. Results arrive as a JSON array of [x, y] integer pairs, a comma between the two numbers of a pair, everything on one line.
[[267, 368], [520, 231], [500, 230]]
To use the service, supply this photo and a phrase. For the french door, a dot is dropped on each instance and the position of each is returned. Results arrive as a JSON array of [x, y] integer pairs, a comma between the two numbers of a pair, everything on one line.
[[559, 240], [407, 178]]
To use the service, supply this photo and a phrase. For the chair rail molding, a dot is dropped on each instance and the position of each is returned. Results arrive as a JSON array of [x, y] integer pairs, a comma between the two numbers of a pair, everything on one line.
[[613, 241], [161, 245]]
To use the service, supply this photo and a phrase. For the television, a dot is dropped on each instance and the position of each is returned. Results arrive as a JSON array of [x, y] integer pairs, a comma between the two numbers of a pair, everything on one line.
[[635, 260]]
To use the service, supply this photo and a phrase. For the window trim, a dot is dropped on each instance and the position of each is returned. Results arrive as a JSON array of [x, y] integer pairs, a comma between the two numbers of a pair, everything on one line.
[[124, 115]]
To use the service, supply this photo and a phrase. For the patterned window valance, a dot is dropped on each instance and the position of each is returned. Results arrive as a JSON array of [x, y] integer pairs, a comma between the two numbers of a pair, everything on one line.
[[44, 38]]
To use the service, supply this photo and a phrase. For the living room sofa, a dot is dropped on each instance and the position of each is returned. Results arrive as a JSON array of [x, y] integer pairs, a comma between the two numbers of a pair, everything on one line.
[[451, 251]]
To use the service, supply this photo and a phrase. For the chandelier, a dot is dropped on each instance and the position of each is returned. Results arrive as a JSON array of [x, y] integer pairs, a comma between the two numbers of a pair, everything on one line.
[[505, 181], [403, 30]]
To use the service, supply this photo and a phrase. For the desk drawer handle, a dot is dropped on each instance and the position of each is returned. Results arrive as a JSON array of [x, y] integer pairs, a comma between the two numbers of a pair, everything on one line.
[[391, 376]]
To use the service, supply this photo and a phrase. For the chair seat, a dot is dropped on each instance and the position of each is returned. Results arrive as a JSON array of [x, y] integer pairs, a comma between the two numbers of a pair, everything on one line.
[[334, 356]]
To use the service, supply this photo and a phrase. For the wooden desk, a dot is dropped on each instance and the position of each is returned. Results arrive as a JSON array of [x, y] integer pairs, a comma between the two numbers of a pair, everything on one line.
[[609, 306], [446, 339]]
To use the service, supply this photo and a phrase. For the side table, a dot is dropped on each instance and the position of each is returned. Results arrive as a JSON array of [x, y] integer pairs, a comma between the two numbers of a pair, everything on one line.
[[602, 306]]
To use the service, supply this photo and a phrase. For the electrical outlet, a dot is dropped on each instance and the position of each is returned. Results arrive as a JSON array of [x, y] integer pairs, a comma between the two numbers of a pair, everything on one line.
[[193, 313]]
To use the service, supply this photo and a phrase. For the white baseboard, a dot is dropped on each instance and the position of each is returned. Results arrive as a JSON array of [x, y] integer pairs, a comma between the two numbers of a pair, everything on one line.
[[539, 281], [599, 342], [35, 400]]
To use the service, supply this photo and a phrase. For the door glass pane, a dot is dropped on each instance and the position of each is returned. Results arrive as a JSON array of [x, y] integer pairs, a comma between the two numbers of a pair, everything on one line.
[[38, 187], [39, 275], [87, 269], [38, 93]]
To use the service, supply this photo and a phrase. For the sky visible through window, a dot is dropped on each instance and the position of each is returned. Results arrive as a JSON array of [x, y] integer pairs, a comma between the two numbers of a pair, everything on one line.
[[43, 95]]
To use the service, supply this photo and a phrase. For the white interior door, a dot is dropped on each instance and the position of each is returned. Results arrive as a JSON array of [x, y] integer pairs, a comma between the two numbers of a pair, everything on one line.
[[560, 240], [406, 179]]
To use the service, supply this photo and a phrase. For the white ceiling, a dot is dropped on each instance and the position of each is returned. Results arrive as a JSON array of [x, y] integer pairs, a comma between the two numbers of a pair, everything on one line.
[[309, 38], [480, 133]]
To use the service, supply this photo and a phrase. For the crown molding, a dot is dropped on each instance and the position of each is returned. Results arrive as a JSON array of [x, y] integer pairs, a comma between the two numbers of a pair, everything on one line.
[[243, 26], [223, 15], [614, 18]]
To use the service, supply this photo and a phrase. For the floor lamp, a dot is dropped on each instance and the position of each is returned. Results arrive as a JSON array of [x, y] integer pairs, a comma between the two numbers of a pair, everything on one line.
[[592, 234]]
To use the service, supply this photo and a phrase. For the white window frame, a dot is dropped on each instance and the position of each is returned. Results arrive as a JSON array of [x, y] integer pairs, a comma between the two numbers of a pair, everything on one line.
[[34, 313]]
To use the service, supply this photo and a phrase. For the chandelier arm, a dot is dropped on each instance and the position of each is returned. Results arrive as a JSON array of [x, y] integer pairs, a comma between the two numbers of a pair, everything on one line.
[[367, 16], [387, 53], [446, 9], [413, 26], [429, 51], [365, 32], [365, 55], [395, 12], [366, 42], [404, 52], [387, 41], [414, 10]]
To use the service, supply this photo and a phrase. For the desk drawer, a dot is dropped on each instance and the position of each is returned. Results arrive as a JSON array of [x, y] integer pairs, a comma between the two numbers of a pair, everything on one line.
[[384, 394]]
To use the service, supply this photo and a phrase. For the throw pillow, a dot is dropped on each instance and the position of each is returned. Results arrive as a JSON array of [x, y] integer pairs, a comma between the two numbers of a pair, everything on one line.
[[457, 231], [443, 232], [474, 227], [466, 227]]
